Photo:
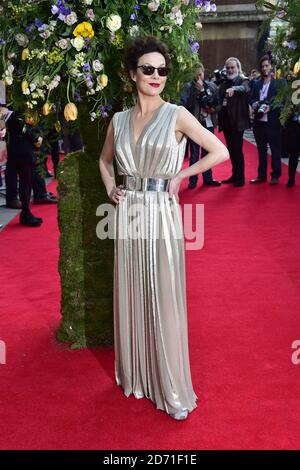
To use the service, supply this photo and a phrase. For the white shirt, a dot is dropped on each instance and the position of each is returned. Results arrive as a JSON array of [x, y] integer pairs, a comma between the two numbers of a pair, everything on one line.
[[263, 96]]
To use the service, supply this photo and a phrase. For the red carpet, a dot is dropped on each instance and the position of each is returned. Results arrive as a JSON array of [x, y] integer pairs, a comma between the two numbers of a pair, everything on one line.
[[243, 306]]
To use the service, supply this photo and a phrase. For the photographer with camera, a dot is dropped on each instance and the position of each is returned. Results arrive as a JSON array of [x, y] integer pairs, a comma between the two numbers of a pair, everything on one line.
[[267, 127], [234, 117], [201, 99]]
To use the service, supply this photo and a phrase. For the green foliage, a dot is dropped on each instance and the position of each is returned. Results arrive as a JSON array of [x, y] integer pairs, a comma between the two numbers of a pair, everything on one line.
[[285, 47], [61, 49]]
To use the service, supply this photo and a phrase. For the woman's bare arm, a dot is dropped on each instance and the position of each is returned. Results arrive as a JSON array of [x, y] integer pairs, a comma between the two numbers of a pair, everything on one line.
[[188, 125], [106, 166]]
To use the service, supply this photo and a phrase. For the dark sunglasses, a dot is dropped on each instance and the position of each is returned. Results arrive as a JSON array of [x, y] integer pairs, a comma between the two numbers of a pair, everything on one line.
[[149, 70]]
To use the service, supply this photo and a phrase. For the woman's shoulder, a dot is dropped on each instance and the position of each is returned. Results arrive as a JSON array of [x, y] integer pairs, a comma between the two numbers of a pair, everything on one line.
[[174, 109], [119, 116]]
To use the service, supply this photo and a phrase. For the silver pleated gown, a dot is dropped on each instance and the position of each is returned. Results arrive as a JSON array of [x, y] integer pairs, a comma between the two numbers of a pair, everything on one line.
[[150, 323]]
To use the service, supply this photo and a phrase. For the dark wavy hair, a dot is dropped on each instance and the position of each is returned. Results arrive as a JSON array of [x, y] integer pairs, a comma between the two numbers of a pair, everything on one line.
[[141, 46], [264, 58]]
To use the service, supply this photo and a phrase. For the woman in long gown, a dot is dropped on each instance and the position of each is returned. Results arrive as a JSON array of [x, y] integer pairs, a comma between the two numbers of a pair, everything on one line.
[[148, 142]]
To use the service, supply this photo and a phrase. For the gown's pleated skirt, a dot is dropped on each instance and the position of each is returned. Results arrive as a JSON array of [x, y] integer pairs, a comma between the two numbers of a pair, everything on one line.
[[151, 342]]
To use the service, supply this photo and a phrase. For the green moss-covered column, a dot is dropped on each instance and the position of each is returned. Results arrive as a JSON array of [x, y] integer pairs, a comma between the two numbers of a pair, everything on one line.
[[86, 263]]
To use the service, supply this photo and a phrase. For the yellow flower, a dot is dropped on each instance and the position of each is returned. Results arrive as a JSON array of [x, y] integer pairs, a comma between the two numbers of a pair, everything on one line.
[[70, 112], [47, 108], [297, 67], [24, 87], [85, 30], [25, 54], [278, 74], [103, 80]]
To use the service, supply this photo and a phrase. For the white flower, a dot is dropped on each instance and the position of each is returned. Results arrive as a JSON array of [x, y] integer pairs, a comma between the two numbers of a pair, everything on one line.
[[97, 65], [176, 15], [78, 43], [54, 83], [114, 23], [10, 68], [71, 18], [198, 25], [22, 39], [74, 72], [154, 6], [90, 14], [93, 116], [63, 43], [9, 80], [32, 86], [87, 2], [134, 30], [45, 34], [11, 55], [80, 59]]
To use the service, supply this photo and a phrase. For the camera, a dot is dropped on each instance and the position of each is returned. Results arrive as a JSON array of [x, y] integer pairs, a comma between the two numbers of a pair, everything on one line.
[[220, 76], [207, 101], [261, 109]]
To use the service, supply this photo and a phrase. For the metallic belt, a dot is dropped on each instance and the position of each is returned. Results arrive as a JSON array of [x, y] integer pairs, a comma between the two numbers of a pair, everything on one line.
[[135, 183]]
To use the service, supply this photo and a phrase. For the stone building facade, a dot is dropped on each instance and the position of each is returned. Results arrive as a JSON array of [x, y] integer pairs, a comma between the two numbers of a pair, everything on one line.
[[234, 31]]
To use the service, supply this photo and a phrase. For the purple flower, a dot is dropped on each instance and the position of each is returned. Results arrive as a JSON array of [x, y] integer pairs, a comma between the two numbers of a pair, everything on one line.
[[207, 5], [133, 17], [38, 23], [54, 10], [77, 97], [2, 42], [292, 45], [29, 28], [105, 114], [86, 67], [136, 7], [195, 47], [198, 3], [64, 11], [43, 27]]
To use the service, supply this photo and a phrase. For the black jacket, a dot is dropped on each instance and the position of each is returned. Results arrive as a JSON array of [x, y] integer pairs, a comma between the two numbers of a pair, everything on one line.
[[275, 85], [191, 99], [235, 115], [20, 139]]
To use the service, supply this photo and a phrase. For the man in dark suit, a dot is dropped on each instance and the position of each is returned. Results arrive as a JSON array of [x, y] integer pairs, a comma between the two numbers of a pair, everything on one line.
[[234, 117], [21, 145], [267, 127]]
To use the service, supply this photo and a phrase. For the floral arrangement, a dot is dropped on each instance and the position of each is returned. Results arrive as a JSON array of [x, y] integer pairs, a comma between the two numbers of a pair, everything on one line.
[[284, 48], [55, 54]]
